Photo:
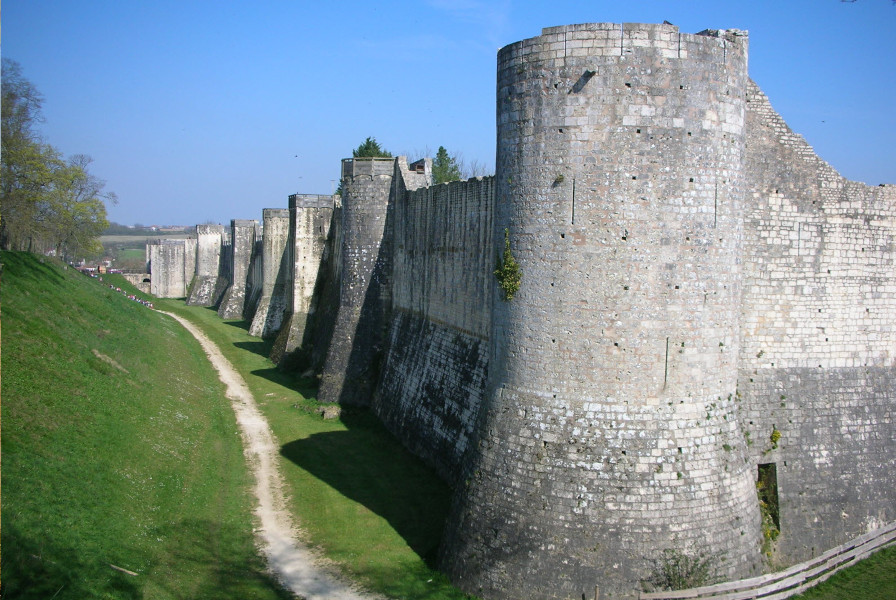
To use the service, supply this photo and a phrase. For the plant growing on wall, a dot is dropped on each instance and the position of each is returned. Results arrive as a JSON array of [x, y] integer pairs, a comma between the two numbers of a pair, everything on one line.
[[508, 271], [680, 570]]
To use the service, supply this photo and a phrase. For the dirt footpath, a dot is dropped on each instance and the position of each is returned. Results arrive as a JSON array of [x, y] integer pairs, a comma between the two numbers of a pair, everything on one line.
[[290, 560]]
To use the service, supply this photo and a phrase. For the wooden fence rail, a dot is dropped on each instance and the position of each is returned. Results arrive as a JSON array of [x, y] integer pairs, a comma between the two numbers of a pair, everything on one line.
[[793, 580]]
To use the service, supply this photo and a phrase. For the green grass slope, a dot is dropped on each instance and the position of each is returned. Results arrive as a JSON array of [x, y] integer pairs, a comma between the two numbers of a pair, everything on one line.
[[119, 448]]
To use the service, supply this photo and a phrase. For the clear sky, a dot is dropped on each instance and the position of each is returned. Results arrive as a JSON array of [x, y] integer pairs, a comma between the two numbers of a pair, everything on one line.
[[198, 111]]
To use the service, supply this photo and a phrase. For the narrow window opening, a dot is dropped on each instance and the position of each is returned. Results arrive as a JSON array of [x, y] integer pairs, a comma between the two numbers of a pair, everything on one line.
[[691, 180], [637, 131], [767, 488]]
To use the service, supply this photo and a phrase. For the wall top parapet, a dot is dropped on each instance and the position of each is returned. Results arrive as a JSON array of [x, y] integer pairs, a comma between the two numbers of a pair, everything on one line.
[[620, 39], [210, 228], [311, 201], [367, 166]]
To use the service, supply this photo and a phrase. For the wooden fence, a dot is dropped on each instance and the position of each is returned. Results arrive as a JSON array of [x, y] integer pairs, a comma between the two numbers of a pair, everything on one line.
[[793, 580]]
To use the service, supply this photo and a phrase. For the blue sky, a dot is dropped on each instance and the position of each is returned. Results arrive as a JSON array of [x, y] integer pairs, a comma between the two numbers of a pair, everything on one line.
[[200, 111]]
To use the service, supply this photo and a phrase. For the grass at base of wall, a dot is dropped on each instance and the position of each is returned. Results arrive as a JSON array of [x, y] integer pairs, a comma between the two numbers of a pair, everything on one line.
[[871, 579], [119, 448], [370, 505]]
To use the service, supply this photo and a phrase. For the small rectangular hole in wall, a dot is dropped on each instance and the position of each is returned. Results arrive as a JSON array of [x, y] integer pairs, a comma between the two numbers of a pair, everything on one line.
[[628, 85], [691, 180], [637, 131], [767, 488]]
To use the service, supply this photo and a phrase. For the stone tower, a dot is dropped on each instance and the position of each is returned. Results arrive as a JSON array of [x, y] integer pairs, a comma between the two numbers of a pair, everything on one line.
[[352, 363], [611, 414]]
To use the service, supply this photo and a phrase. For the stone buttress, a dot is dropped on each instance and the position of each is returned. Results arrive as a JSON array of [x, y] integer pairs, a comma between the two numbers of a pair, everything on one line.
[[234, 303], [307, 260], [208, 284], [274, 268]]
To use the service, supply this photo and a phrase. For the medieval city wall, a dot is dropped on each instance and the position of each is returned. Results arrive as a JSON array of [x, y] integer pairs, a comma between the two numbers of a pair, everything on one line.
[[702, 299], [818, 338], [433, 377]]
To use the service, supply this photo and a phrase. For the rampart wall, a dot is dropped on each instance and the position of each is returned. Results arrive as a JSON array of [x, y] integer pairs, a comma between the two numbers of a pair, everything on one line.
[[434, 373], [818, 337]]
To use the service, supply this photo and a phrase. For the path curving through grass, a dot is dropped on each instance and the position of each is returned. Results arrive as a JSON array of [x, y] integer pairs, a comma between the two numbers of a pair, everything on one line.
[[296, 566]]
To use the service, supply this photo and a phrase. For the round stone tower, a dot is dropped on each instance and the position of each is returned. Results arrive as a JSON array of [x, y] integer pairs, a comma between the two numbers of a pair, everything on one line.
[[611, 428]]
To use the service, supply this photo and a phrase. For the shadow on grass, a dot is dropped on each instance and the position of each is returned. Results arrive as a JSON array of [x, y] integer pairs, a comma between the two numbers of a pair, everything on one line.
[[205, 559], [260, 347], [213, 551], [45, 569], [305, 386], [366, 464]]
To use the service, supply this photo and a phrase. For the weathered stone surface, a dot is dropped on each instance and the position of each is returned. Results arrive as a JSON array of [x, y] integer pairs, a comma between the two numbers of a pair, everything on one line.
[[310, 279], [356, 348], [234, 303], [611, 385], [167, 263], [274, 270], [208, 284]]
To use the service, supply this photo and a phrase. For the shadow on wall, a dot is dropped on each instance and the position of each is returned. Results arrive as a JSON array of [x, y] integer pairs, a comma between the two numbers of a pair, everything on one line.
[[367, 465]]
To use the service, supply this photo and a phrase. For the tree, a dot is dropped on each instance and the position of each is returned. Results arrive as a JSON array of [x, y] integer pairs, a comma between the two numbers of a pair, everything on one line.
[[47, 203], [445, 168], [370, 148]]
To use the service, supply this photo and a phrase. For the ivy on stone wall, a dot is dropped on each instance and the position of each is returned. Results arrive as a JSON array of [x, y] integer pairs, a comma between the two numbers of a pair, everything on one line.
[[508, 271]]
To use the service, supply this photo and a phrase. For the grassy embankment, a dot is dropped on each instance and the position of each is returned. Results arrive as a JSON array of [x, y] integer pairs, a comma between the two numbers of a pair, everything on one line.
[[364, 500], [119, 448]]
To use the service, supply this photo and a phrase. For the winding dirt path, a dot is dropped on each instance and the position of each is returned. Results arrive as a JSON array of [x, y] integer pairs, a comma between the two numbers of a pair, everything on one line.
[[290, 560]]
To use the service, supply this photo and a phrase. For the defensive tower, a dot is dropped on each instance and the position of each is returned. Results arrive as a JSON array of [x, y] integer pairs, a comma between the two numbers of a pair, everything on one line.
[[610, 425], [274, 269]]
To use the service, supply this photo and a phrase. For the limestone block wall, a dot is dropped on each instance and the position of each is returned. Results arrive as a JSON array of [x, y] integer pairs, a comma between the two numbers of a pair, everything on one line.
[[166, 264], [434, 373], [818, 353], [358, 340], [611, 390], [274, 266], [255, 277], [235, 299], [311, 219], [208, 285]]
